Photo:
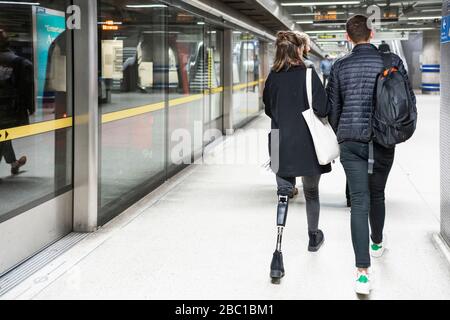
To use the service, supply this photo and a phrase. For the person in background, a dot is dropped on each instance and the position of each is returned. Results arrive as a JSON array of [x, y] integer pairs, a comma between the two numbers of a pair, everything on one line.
[[351, 90], [290, 143], [325, 68], [384, 47], [16, 98]]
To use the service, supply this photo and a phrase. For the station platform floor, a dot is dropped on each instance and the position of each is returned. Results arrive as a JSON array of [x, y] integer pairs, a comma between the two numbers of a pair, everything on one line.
[[209, 233]]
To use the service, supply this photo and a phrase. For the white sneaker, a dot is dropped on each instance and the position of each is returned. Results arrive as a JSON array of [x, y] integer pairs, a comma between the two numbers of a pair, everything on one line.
[[362, 285], [377, 250]]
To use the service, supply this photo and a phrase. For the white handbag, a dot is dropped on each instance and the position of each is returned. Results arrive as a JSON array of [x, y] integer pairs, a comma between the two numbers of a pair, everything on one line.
[[324, 138]]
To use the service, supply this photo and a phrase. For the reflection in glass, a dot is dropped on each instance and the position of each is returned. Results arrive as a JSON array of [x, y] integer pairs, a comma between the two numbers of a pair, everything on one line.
[[186, 98], [240, 78], [33, 89], [246, 77], [214, 100], [133, 68]]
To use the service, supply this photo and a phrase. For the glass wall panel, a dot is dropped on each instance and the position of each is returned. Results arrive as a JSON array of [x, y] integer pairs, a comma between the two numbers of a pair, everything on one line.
[[253, 70], [188, 79], [246, 77], [132, 96], [214, 99], [240, 77], [35, 116]]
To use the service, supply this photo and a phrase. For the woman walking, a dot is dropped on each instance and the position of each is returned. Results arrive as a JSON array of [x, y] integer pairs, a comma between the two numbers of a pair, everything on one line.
[[291, 145]]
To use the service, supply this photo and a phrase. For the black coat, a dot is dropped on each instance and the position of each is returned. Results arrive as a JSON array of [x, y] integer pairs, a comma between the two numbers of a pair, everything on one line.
[[351, 89], [17, 101], [285, 99]]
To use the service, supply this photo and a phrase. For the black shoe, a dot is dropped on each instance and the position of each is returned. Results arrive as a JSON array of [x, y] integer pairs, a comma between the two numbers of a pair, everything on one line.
[[294, 193], [316, 240], [17, 164], [277, 267]]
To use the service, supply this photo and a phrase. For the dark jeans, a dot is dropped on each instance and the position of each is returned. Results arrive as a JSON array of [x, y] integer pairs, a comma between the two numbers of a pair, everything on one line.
[[311, 191], [367, 194], [7, 151]]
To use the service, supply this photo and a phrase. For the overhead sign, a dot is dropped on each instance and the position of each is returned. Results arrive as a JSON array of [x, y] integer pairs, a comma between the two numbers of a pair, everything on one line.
[[445, 29], [331, 37], [325, 16]]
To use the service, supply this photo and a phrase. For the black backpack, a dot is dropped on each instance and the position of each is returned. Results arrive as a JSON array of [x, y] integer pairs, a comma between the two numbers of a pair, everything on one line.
[[395, 115], [8, 84]]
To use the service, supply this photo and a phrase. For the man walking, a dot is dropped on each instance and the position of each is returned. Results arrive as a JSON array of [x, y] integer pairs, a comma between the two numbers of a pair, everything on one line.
[[351, 90], [325, 67]]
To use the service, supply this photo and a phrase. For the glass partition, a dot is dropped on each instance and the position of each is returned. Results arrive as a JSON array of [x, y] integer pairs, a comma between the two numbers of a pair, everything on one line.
[[188, 79], [240, 77], [132, 97], [246, 77], [214, 98], [35, 113], [254, 71], [160, 89]]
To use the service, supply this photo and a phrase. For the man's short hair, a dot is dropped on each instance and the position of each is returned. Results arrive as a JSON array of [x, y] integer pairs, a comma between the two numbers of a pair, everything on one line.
[[327, 55], [357, 28]]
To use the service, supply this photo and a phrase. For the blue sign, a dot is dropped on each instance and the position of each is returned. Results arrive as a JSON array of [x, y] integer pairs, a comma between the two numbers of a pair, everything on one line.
[[48, 25], [445, 30]]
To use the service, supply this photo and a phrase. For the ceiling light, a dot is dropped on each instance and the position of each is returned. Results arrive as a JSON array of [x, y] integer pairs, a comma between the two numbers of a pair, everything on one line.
[[317, 3], [432, 10], [424, 18], [325, 31], [146, 6], [24, 3], [317, 23], [201, 23], [305, 22], [314, 13], [303, 14], [412, 29]]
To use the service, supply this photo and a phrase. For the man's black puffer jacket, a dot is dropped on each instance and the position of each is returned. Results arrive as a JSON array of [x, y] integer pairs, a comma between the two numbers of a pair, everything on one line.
[[351, 90]]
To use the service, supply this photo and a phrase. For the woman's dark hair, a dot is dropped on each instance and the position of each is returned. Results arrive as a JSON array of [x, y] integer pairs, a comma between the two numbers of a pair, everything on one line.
[[290, 47], [4, 40], [357, 28]]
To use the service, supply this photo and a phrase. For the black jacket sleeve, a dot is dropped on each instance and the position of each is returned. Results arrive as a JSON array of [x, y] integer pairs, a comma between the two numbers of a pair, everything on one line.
[[266, 98], [320, 99], [334, 98]]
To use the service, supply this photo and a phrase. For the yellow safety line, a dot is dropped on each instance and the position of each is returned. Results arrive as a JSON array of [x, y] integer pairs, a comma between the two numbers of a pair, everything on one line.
[[217, 90], [187, 99], [48, 126], [128, 113], [246, 85], [34, 129], [123, 114]]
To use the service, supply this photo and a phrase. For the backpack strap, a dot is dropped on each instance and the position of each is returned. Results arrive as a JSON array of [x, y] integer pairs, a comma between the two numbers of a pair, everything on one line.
[[387, 60]]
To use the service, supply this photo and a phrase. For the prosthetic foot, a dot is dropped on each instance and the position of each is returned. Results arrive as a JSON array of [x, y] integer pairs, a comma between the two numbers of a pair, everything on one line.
[[277, 267]]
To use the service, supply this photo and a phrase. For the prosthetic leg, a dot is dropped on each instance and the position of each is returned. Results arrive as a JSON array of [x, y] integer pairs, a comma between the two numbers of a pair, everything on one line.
[[277, 267]]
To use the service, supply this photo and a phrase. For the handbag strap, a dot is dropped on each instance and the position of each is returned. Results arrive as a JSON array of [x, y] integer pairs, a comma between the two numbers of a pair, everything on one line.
[[309, 86]]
